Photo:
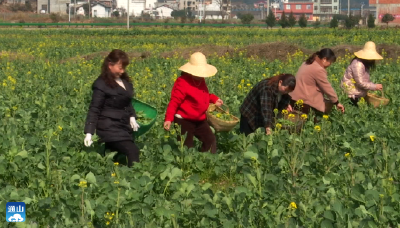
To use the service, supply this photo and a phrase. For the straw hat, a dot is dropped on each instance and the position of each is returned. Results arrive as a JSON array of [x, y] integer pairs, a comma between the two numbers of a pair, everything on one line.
[[197, 66], [368, 52]]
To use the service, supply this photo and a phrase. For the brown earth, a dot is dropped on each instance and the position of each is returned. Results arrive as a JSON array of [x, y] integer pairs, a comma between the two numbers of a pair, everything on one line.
[[272, 51], [391, 51], [276, 50], [16, 56], [207, 50], [103, 54]]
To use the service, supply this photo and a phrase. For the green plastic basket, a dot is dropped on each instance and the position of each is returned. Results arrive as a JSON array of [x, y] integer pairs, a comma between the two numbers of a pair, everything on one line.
[[149, 111]]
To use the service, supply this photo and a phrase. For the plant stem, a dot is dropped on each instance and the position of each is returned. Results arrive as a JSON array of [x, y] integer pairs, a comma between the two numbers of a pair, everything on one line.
[[116, 213]]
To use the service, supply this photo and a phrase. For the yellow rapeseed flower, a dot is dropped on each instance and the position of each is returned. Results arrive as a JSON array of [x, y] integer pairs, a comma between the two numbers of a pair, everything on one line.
[[372, 137], [347, 155], [325, 117], [113, 174], [317, 128], [293, 205], [304, 116], [107, 223], [291, 116], [299, 103], [116, 182], [83, 184], [60, 128], [116, 163], [278, 126], [285, 112]]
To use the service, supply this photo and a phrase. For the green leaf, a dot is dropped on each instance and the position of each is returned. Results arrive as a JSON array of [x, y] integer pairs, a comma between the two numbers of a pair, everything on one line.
[[329, 215], [41, 166], [75, 177], [326, 224], [206, 186], [250, 155], [91, 178], [14, 196], [271, 177], [275, 153], [175, 172], [27, 200], [337, 207], [326, 180], [23, 154], [252, 179], [167, 148]]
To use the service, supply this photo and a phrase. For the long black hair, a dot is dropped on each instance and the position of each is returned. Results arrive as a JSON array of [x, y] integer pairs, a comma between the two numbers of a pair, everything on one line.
[[114, 57], [323, 53], [368, 64], [288, 80]]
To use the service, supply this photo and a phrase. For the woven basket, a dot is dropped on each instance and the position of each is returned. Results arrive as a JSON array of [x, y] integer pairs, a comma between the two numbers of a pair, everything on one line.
[[375, 100], [297, 120], [218, 124]]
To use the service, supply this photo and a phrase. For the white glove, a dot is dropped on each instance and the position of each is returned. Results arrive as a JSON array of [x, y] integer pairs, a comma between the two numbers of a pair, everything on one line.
[[134, 124], [88, 140]]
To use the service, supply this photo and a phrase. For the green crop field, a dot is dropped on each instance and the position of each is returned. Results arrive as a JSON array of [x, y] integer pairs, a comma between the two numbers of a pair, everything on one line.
[[343, 172]]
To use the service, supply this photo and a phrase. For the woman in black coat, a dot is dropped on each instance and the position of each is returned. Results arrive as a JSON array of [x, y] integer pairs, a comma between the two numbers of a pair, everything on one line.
[[111, 113]]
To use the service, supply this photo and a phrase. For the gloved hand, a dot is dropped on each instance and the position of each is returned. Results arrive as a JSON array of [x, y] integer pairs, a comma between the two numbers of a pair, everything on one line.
[[88, 140], [134, 124]]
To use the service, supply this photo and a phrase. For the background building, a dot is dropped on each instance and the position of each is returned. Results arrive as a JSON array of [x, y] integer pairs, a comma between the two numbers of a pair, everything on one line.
[[53, 6], [325, 9], [387, 6]]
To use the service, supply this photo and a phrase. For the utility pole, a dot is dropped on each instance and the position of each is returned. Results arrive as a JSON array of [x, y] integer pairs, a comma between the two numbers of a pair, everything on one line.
[[74, 9], [127, 15], [48, 7], [69, 12], [362, 6], [377, 12], [348, 6], [89, 9], [267, 8]]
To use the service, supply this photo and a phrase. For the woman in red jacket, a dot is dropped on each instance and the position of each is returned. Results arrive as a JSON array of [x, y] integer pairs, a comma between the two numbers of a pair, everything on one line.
[[190, 100]]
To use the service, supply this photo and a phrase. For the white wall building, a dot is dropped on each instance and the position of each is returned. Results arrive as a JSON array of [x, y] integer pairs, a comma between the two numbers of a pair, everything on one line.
[[164, 12], [324, 9], [212, 9], [80, 10], [100, 10], [56, 6], [136, 6]]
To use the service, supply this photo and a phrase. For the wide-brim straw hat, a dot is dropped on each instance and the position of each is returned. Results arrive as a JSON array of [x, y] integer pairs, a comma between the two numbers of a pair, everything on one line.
[[368, 52], [198, 66]]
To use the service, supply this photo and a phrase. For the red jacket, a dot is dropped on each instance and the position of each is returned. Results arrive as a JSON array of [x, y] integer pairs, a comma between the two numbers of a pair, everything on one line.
[[189, 99]]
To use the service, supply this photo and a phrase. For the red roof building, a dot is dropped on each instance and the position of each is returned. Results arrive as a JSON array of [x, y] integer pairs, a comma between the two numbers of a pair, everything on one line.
[[298, 8]]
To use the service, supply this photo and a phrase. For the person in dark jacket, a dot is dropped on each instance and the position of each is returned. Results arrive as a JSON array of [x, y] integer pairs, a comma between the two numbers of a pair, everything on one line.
[[258, 107], [111, 113]]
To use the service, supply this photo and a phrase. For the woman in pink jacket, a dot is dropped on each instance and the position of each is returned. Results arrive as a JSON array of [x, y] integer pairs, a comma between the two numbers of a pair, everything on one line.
[[356, 80]]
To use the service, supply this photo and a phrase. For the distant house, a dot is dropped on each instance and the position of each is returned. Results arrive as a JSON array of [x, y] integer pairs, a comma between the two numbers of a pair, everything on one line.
[[136, 7], [56, 6], [80, 10], [164, 12], [101, 10]]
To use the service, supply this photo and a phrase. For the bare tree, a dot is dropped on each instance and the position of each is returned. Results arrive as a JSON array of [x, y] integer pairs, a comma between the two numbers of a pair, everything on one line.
[[224, 6]]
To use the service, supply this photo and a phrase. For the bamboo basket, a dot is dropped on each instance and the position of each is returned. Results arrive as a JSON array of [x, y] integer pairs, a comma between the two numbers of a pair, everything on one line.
[[297, 121], [375, 100], [218, 124]]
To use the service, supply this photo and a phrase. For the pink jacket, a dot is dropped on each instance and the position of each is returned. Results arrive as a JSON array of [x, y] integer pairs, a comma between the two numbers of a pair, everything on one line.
[[355, 81], [311, 86]]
